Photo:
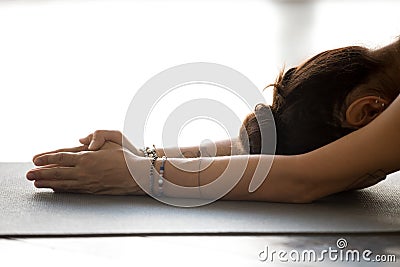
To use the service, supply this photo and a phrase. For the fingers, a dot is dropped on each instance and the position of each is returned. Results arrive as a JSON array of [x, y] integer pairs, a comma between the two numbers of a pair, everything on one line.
[[66, 159], [96, 140], [58, 185], [53, 173], [86, 140], [71, 149]]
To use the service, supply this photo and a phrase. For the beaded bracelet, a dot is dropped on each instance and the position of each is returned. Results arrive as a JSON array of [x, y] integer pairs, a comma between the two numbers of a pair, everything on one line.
[[151, 152], [161, 178]]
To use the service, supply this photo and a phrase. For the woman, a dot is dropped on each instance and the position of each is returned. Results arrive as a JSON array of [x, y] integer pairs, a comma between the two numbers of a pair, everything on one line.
[[337, 127]]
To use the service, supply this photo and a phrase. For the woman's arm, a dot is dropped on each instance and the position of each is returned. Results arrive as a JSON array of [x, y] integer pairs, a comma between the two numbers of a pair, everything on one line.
[[227, 147], [219, 148], [361, 158], [226, 176], [97, 139]]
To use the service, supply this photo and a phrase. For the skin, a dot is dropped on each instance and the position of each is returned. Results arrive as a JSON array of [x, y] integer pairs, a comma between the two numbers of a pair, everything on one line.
[[357, 160]]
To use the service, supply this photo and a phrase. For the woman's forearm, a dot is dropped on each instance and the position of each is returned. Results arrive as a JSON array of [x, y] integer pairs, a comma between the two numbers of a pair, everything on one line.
[[229, 177], [219, 148]]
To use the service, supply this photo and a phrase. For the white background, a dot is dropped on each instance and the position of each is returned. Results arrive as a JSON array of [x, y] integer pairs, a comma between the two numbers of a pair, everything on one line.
[[68, 68]]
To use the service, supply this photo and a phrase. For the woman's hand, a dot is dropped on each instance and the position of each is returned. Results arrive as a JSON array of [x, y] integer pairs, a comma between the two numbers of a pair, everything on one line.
[[96, 140], [71, 149], [97, 172]]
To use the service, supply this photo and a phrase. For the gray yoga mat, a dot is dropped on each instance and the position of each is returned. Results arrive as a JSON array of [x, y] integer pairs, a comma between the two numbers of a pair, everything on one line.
[[29, 211]]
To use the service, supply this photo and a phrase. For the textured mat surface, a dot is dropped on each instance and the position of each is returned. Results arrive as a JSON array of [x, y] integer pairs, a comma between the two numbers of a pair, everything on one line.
[[29, 211]]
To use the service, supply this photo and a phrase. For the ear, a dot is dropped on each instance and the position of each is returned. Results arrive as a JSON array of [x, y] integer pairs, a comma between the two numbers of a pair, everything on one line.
[[363, 110]]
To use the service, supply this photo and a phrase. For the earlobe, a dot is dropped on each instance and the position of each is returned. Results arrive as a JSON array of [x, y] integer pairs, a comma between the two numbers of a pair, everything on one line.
[[363, 110]]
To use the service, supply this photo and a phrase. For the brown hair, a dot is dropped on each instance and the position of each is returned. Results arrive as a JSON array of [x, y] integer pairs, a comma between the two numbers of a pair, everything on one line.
[[308, 101]]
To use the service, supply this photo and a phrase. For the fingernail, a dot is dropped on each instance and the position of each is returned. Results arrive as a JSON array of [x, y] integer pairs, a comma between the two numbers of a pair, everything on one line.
[[31, 176], [38, 161]]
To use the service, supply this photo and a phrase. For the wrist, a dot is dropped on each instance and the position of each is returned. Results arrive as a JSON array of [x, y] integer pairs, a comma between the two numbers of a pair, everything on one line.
[[138, 169], [139, 152]]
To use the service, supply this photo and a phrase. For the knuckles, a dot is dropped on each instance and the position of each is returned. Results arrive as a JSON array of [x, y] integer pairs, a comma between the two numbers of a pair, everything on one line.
[[60, 158], [98, 132], [85, 159]]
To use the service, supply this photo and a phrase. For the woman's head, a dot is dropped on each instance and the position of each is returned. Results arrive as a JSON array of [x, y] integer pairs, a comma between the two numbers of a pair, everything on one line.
[[325, 98]]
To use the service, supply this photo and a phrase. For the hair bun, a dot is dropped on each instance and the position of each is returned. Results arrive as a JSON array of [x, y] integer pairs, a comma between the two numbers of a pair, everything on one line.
[[266, 123], [257, 134]]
